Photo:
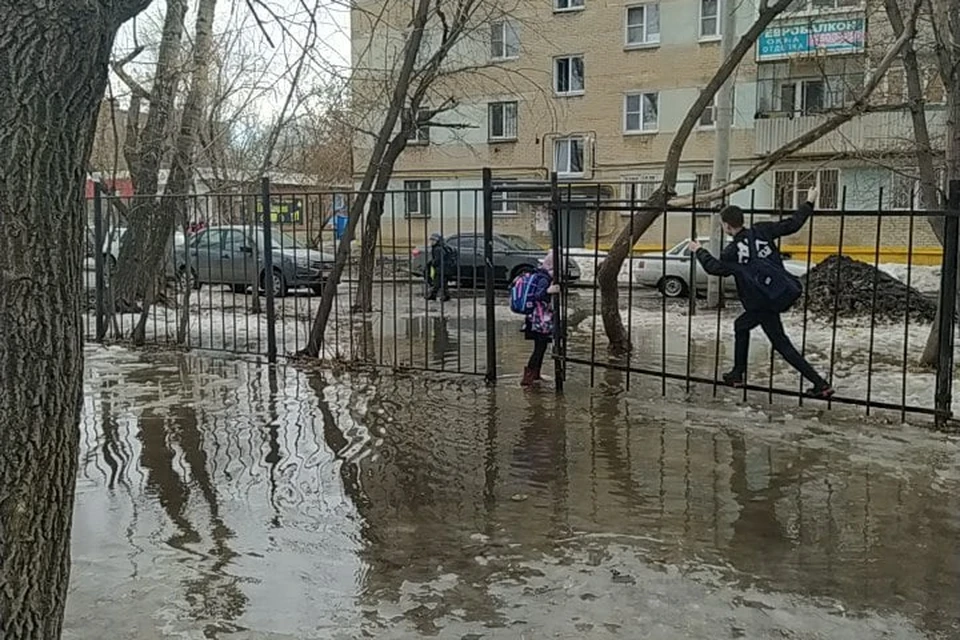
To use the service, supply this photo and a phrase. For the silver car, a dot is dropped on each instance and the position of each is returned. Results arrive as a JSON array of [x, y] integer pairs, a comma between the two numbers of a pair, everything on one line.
[[232, 255], [669, 271]]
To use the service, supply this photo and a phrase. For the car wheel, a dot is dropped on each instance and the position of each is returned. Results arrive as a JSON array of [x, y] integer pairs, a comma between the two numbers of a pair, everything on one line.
[[279, 283], [673, 287], [184, 281], [317, 289]]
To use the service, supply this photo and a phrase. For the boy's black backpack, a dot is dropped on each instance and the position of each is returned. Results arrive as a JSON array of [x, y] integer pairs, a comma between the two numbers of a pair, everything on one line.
[[449, 257], [780, 288]]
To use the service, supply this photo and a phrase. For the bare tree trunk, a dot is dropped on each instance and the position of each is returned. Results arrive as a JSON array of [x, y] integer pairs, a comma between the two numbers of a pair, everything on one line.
[[144, 242], [607, 276], [173, 205], [371, 231], [53, 78], [946, 21], [396, 105]]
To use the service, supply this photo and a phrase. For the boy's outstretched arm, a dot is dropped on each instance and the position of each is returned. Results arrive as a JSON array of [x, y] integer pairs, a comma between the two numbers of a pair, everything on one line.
[[795, 222], [710, 264]]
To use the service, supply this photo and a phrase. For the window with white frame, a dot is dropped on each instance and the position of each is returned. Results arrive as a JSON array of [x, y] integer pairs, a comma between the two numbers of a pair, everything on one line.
[[567, 5], [641, 186], [709, 19], [702, 182], [502, 121], [416, 202], [643, 25], [790, 187], [504, 42], [568, 75], [708, 119], [823, 5], [568, 156], [420, 132], [641, 112], [504, 202]]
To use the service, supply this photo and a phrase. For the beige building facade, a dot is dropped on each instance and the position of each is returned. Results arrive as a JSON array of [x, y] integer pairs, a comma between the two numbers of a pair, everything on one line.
[[595, 91]]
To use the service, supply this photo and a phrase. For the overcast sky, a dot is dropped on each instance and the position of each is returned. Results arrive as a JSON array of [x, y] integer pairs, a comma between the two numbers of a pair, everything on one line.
[[267, 58]]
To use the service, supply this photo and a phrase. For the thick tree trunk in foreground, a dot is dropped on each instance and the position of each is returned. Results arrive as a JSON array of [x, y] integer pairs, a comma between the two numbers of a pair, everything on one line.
[[53, 77], [946, 21]]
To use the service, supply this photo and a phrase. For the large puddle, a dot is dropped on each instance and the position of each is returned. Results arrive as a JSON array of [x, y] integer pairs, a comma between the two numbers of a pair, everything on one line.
[[223, 499]]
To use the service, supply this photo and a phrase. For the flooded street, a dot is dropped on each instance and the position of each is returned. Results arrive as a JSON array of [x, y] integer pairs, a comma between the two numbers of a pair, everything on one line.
[[218, 498]]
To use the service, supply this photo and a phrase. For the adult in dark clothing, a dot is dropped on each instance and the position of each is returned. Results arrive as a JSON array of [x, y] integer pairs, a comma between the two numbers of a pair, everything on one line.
[[439, 268], [756, 304], [538, 322]]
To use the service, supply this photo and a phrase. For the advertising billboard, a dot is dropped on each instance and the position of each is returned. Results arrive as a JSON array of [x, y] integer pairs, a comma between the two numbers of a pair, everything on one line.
[[817, 35]]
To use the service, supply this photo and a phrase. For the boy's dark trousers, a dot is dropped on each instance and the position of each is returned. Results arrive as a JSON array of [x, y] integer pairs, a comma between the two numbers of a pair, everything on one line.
[[771, 324], [438, 283]]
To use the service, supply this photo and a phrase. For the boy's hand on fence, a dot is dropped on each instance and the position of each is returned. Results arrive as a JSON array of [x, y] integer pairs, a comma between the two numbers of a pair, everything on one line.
[[553, 289], [812, 196], [694, 246]]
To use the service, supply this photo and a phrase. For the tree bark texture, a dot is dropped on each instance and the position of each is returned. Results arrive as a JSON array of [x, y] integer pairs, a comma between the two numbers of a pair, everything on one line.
[[946, 28], [371, 231], [53, 78], [384, 135], [145, 241], [172, 207], [664, 196]]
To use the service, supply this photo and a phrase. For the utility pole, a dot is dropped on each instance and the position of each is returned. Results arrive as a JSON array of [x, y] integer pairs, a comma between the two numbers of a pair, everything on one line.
[[723, 116]]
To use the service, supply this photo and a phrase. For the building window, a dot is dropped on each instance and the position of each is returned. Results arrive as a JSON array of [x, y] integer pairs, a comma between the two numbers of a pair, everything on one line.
[[502, 121], [905, 191], [568, 157], [504, 202], [420, 133], [708, 119], [568, 75], [416, 202], [823, 5], [790, 188], [641, 112], [643, 188], [816, 95], [643, 25], [703, 182], [504, 42], [567, 5], [709, 19]]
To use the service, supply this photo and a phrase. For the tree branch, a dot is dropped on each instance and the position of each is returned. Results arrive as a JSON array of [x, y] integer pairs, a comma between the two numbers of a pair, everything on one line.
[[118, 68]]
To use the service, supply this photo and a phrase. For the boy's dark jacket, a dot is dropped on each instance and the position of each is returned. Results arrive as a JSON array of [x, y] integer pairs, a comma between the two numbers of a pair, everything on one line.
[[737, 253]]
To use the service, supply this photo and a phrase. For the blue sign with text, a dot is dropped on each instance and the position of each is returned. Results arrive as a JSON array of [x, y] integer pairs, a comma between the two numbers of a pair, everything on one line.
[[813, 36]]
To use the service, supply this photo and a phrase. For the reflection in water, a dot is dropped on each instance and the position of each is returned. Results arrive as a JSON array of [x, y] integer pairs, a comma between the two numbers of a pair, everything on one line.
[[265, 500]]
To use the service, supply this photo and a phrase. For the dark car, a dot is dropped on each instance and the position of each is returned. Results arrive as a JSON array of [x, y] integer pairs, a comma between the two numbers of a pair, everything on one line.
[[512, 255], [233, 256]]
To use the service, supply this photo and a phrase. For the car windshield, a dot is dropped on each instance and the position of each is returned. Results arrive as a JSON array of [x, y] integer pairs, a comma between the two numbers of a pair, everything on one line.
[[521, 244]]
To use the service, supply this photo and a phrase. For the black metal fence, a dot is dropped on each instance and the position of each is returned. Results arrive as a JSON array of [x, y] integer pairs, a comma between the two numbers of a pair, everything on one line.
[[247, 300]]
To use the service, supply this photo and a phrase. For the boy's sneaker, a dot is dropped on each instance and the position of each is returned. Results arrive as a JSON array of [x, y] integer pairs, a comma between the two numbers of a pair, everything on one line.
[[733, 379], [822, 391]]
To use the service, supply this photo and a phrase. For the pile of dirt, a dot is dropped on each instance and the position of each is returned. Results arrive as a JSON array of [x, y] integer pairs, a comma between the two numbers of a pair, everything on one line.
[[853, 293]]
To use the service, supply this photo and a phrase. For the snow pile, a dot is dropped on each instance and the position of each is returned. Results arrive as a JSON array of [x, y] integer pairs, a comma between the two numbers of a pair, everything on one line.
[[589, 262], [856, 289]]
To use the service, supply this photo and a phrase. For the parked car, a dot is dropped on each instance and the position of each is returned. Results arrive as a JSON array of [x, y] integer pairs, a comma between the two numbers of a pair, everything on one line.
[[512, 255], [232, 255], [669, 271]]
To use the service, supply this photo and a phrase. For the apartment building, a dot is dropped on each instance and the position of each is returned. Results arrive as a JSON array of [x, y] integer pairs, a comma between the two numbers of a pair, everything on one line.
[[595, 91]]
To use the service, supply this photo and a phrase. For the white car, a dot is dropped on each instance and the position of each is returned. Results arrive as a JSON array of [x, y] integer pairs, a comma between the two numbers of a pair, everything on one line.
[[669, 271]]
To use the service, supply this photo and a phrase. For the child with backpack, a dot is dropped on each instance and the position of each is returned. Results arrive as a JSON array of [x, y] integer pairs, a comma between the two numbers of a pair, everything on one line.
[[765, 288], [530, 295]]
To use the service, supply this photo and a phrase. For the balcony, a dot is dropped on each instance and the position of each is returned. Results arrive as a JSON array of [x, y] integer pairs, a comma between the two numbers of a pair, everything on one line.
[[870, 133]]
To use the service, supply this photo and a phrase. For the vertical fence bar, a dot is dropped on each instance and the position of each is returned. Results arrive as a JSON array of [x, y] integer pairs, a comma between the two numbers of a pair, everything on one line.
[[489, 300], [873, 300], [948, 306], [836, 289], [98, 257], [663, 298], [267, 251], [633, 204], [691, 290], [596, 268], [560, 326], [906, 312]]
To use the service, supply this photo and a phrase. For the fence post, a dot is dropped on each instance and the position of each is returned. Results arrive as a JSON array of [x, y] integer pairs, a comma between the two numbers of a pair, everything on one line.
[[98, 240], [488, 281], [560, 273], [267, 250], [948, 306]]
